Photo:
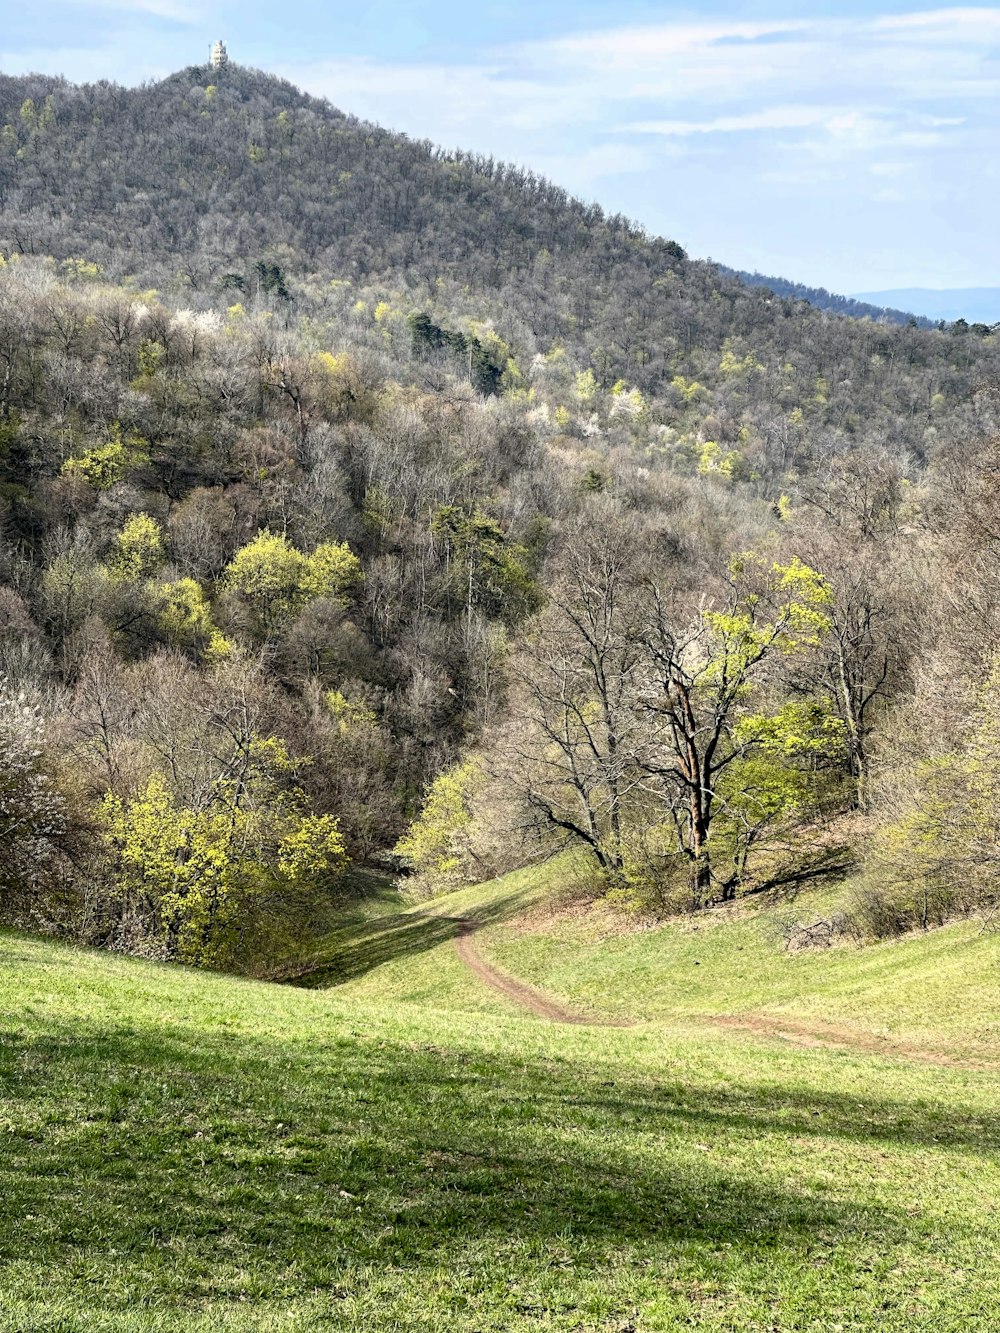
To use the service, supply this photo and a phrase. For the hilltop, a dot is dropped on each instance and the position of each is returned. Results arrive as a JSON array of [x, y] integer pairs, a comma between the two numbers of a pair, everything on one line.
[[185, 183]]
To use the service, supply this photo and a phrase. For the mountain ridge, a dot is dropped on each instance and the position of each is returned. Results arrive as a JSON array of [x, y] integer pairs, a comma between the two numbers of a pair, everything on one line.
[[972, 304]]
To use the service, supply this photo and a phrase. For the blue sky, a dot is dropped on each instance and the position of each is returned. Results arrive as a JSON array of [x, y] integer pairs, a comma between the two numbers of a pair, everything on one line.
[[838, 144]]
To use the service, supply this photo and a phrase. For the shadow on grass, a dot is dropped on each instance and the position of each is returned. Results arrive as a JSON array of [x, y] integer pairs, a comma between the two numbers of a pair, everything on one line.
[[197, 1159], [361, 946]]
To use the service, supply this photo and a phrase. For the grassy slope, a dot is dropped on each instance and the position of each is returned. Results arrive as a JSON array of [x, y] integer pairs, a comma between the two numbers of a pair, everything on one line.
[[407, 1150]]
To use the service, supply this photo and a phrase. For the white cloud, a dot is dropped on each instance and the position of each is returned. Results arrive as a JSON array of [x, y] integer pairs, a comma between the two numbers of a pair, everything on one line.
[[771, 118], [176, 10], [637, 47], [727, 73]]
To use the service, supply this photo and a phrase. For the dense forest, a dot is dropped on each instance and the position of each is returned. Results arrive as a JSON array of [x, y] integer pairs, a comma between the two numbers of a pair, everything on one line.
[[367, 505]]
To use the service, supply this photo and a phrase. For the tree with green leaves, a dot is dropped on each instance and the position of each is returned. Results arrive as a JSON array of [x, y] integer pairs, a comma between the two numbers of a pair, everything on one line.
[[229, 880], [488, 571], [275, 580], [699, 679]]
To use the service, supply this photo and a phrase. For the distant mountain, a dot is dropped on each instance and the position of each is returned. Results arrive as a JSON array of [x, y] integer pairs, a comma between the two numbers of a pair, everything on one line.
[[232, 188], [977, 305], [857, 307]]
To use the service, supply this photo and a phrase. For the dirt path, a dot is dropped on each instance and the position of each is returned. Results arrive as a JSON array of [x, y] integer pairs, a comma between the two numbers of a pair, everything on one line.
[[832, 1036], [519, 991], [827, 1035]]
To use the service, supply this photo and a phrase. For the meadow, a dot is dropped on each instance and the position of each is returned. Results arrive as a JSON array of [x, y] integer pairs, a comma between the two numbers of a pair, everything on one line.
[[776, 1142]]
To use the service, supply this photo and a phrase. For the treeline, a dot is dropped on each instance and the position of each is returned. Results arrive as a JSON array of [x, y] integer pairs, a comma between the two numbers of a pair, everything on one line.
[[824, 300]]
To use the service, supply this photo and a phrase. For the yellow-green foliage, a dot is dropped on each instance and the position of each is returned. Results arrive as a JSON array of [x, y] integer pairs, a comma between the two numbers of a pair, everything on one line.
[[434, 843], [276, 580], [225, 879], [105, 465], [801, 730], [331, 571], [586, 386], [789, 760], [310, 847], [715, 460], [349, 715], [781, 606], [732, 365], [689, 390], [185, 618], [82, 270], [938, 853], [151, 358], [138, 548]]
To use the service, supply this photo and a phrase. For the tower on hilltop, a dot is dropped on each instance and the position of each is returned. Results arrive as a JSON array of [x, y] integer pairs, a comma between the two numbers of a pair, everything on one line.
[[220, 56]]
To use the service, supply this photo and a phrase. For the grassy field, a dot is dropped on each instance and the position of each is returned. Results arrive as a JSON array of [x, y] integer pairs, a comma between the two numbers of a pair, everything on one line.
[[396, 1146]]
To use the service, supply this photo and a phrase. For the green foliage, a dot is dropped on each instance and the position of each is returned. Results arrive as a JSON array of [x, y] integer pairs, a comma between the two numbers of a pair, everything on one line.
[[271, 279], [185, 620], [138, 548], [487, 570], [937, 854], [804, 730], [276, 580], [350, 716], [780, 771], [105, 465], [774, 606], [487, 358], [715, 460], [434, 844], [230, 880], [331, 571]]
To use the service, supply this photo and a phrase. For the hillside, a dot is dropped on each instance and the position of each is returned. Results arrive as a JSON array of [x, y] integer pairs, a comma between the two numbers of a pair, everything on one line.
[[363, 505], [186, 183], [409, 1149]]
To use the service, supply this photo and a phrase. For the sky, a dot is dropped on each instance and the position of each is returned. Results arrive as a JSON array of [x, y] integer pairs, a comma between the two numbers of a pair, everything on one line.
[[852, 146]]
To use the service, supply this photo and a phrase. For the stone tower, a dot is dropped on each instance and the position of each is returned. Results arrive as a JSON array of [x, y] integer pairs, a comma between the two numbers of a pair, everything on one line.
[[220, 56]]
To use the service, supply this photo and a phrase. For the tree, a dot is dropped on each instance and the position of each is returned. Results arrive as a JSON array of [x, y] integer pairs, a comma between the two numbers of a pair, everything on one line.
[[138, 548], [435, 845], [575, 749], [225, 884], [697, 682], [276, 580], [629, 708], [38, 830]]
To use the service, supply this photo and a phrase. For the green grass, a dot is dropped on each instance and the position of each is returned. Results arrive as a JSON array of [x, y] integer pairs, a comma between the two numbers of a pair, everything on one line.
[[938, 991], [407, 1150]]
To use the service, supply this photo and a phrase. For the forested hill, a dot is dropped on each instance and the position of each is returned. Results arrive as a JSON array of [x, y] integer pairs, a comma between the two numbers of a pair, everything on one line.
[[186, 183], [332, 469]]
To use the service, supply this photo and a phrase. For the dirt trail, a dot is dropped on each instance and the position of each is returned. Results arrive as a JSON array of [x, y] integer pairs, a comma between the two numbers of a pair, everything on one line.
[[832, 1036], [519, 991], [827, 1035]]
